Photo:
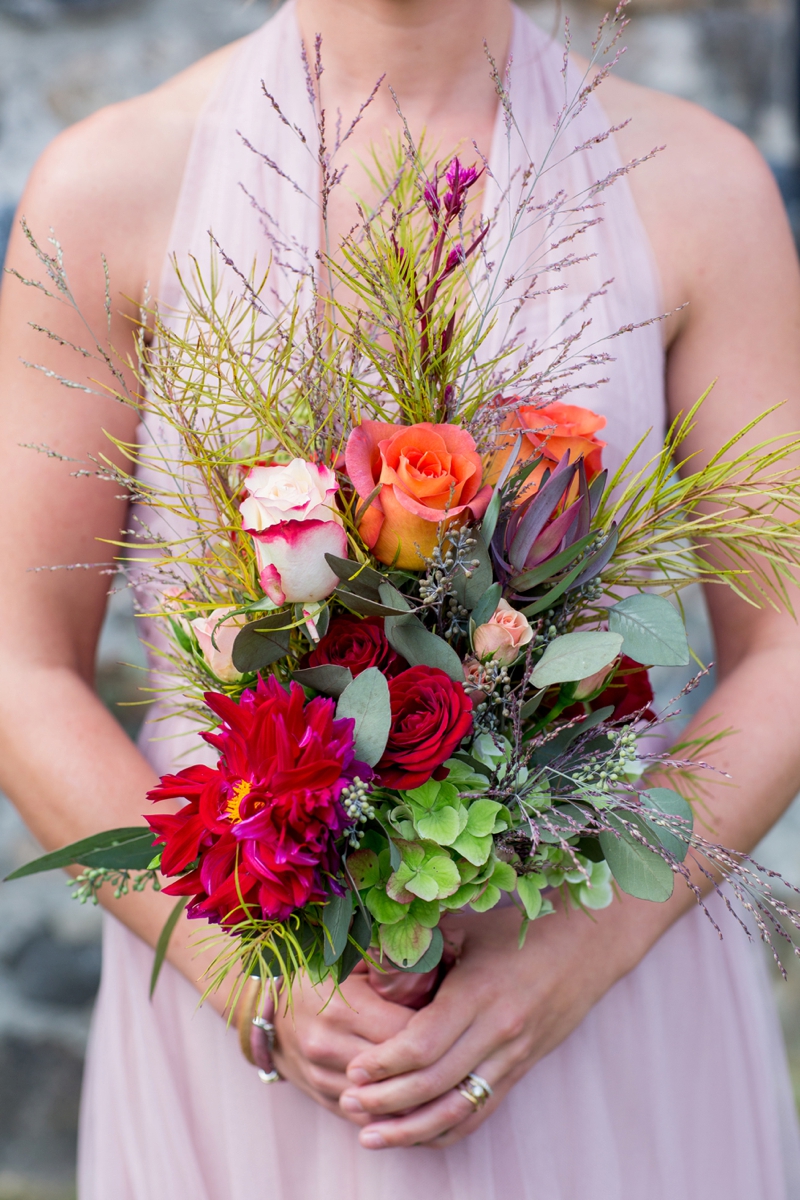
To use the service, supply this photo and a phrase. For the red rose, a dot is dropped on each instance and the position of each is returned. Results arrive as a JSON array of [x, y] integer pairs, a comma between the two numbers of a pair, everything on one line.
[[356, 643], [629, 691], [431, 716]]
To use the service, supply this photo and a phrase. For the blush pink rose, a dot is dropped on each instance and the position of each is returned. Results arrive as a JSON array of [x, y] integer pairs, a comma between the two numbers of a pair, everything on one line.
[[503, 636], [215, 637], [291, 514]]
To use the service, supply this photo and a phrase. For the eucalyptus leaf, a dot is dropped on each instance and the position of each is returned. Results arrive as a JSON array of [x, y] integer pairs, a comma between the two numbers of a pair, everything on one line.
[[363, 606], [468, 591], [574, 656], [349, 571], [639, 870], [419, 647], [489, 522], [392, 598], [336, 921], [652, 630], [481, 578], [669, 802], [262, 642], [487, 605], [366, 700], [106, 841], [531, 704], [358, 941], [330, 679], [562, 741], [135, 855]]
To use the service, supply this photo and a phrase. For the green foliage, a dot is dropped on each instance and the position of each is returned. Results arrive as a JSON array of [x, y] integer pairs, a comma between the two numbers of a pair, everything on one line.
[[638, 869], [575, 656], [366, 700], [421, 648], [162, 945], [131, 848], [652, 631]]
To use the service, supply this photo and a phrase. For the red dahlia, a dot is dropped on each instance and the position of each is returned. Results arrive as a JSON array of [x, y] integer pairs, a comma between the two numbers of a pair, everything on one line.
[[263, 821], [431, 716]]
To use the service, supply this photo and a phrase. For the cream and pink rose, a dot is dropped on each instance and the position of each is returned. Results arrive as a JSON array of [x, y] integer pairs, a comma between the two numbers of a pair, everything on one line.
[[424, 474], [215, 636], [291, 514], [503, 636]]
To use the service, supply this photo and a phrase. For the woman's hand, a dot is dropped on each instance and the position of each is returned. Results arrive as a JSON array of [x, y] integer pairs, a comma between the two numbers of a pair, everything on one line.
[[498, 1011], [315, 1040]]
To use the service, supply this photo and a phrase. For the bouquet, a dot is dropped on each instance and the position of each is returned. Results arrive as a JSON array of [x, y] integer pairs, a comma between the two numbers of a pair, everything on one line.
[[410, 612]]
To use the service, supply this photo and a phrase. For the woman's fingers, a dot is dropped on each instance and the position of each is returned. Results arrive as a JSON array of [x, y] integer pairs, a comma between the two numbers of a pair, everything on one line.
[[425, 1038], [431, 1123], [401, 1092], [320, 1033]]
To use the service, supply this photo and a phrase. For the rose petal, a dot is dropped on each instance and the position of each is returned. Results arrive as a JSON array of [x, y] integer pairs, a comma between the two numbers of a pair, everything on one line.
[[296, 551]]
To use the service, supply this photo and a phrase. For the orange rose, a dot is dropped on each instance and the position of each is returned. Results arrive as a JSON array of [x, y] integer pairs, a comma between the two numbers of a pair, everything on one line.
[[552, 431], [427, 474]]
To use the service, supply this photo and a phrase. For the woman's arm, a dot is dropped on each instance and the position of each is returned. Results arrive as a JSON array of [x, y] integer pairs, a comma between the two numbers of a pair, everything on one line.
[[723, 242], [64, 761]]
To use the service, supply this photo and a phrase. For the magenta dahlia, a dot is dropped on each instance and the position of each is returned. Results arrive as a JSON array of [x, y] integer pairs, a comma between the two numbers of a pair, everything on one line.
[[261, 825]]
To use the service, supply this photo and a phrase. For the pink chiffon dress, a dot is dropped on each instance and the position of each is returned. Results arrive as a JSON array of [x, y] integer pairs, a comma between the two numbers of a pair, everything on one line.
[[675, 1085]]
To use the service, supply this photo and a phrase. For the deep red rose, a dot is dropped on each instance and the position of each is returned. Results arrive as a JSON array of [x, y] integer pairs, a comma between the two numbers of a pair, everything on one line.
[[262, 823], [431, 716], [356, 643], [629, 692]]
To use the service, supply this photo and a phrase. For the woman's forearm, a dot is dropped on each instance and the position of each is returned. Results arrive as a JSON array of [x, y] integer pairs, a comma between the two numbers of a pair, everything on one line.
[[71, 771]]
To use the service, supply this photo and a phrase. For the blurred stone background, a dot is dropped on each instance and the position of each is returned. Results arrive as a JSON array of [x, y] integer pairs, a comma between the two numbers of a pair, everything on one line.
[[59, 61]]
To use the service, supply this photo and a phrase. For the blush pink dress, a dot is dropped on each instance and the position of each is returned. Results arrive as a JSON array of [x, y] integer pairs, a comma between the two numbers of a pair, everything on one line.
[[675, 1085]]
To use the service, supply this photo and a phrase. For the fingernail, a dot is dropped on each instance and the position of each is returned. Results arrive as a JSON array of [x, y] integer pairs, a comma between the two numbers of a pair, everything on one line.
[[351, 1104], [373, 1140], [358, 1075]]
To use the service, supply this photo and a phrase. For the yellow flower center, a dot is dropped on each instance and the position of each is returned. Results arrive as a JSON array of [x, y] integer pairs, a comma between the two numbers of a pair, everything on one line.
[[243, 788]]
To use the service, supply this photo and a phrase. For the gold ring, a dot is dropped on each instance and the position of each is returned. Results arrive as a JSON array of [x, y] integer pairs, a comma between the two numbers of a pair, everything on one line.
[[475, 1089]]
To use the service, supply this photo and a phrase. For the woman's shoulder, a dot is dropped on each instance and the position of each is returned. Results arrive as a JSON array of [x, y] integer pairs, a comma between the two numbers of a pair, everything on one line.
[[110, 182], [704, 193]]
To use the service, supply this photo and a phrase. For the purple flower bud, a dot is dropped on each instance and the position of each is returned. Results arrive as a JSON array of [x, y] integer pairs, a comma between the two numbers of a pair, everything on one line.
[[431, 194], [460, 179], [455, 257]]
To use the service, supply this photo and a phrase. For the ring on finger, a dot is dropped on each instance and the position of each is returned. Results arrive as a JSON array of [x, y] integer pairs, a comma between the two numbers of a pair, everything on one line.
[[475, 1089]]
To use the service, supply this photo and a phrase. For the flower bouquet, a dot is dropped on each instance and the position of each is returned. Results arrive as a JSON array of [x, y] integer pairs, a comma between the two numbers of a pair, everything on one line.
[[410, 612]]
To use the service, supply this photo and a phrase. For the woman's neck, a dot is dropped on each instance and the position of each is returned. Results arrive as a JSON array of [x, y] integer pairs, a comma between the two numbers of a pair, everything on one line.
[[430, 51]]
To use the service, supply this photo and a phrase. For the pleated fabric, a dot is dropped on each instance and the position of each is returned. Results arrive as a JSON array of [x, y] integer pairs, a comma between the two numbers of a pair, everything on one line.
[[675, 1085]]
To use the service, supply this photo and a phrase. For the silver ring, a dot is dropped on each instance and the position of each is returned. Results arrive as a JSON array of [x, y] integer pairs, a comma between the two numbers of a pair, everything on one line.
[[272, 1075], [269, 1076], [475, 1089], [269, 1030]]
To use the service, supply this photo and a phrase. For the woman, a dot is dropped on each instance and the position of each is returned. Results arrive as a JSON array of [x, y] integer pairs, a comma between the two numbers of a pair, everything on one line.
[[631, 1054]]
